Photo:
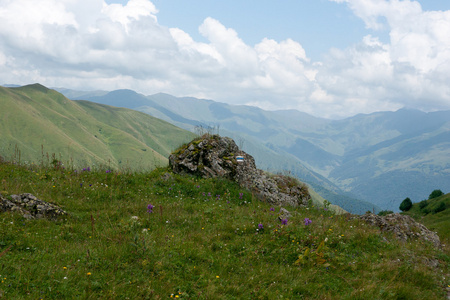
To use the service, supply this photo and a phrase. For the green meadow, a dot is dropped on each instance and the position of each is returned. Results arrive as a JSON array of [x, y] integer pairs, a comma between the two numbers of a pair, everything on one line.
[[158, 235]]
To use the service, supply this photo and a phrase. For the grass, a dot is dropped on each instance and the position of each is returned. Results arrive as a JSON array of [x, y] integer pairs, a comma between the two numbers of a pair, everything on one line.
[[203, 239]]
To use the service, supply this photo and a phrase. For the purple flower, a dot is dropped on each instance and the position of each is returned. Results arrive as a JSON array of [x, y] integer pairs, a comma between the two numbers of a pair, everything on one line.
[[284, 221], [272, 209], [260, 226], [307, 221], [150, 208], [81, 185], [108, 171], [240, 195]]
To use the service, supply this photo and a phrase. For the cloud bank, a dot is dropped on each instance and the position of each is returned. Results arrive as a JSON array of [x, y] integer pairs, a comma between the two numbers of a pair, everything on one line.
[[89, 44]]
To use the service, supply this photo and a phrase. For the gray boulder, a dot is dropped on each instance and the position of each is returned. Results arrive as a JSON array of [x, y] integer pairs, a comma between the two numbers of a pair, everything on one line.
[[404, 227], [30, 207], [212, 156]]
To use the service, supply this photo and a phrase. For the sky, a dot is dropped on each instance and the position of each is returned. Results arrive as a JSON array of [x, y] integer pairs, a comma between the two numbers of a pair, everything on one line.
[[328, 58]]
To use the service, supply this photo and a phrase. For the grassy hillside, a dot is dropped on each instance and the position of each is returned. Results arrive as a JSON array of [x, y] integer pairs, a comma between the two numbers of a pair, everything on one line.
[[203, 239], [35, 121], [435, 214]]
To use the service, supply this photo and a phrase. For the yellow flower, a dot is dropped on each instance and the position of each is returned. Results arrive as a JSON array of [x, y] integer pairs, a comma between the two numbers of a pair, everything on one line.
[[65, 268], [217, 276], [88, 273]]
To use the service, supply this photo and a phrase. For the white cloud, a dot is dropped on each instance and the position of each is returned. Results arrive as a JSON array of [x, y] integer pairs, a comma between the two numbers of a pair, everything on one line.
[[411, 70], [87, 44]]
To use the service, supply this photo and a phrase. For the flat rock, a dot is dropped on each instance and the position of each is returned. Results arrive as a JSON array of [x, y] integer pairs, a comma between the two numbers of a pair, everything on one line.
[[403, 226], [30, 207]]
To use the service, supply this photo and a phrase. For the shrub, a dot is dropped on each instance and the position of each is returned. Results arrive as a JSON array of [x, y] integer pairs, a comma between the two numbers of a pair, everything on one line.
[[423, 204], [440, 207], [435, 194], [406, 205]]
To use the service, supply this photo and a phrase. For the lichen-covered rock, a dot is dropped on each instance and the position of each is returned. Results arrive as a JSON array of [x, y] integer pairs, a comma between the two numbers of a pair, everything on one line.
[[403, 226], [213, 156], [30, 207]]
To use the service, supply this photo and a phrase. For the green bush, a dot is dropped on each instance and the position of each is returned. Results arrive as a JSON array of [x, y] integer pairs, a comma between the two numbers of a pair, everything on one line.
[[423, 204], [406, 205], [435, 194], [439, 208]]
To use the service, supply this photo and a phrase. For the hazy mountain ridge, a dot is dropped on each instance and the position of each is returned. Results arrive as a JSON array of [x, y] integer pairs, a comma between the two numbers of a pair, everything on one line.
[[408, 150]]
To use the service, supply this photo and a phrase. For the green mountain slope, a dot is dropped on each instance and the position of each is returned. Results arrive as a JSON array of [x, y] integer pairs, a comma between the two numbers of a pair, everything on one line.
[[37, 121]]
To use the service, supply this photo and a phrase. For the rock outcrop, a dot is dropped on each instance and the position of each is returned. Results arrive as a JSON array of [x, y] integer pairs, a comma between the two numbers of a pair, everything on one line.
[[404, 227], [31, 207], [213, 156]]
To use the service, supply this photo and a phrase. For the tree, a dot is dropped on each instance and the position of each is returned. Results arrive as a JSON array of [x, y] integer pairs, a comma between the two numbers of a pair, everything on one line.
[[406, 205], [435, 194]]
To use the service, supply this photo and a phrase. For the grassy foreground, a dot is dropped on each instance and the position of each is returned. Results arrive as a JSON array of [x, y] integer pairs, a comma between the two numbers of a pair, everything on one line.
[[199, 239]]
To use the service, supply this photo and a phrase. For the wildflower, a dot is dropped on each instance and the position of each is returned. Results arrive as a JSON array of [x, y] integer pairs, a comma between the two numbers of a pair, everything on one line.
[[217, 276], [150, 208], [240, 195], [260, 226], [65, 268], [307, 221], [135, 218], [272, 209], [108, 171], [88, 273], [284, 221]]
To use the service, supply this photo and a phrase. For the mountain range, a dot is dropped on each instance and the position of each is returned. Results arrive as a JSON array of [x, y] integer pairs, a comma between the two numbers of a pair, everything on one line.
[[366, 162], [380, 158]]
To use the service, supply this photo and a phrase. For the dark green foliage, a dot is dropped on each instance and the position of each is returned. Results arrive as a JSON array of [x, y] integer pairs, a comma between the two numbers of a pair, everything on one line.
[[441, 207], [406, 204], [435, 194], [385, 212], [423, 204]]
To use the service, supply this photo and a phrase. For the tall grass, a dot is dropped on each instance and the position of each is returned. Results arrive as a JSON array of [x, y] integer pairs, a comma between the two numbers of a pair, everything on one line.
[[203, 239]]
